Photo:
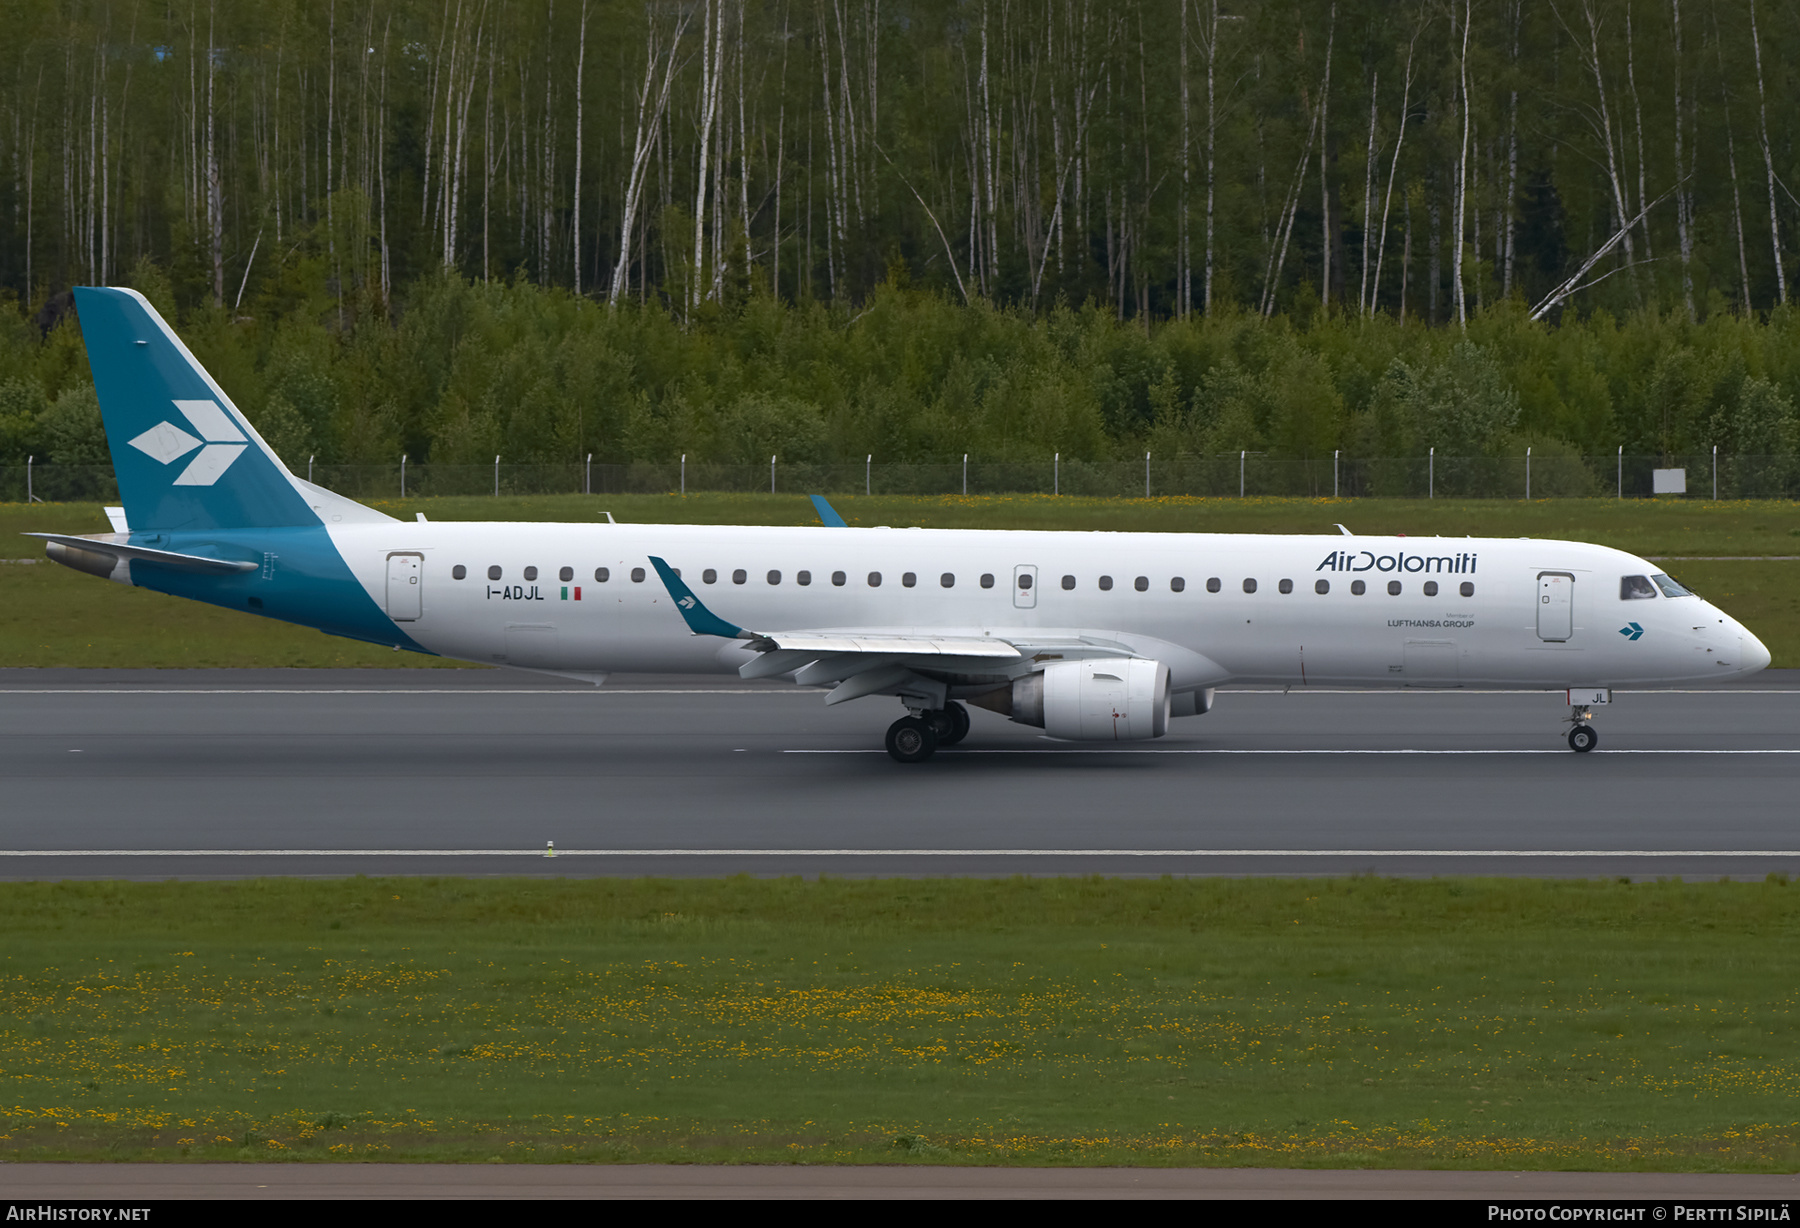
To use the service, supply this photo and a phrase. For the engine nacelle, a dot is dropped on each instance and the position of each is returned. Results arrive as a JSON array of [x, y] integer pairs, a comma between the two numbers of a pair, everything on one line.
[[1110, 699]]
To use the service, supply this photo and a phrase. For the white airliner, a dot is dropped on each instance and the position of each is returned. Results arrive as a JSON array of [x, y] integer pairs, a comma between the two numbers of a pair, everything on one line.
[[1089, 636]]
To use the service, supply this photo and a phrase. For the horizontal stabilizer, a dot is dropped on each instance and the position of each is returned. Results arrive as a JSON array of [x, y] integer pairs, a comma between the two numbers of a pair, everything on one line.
[[118, 548]]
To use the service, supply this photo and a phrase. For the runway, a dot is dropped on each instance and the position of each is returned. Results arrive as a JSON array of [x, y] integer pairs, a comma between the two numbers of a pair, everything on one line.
[[216, 773]]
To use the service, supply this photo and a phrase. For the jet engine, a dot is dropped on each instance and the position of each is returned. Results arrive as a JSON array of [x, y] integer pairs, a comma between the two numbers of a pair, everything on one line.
[[1109, 699]]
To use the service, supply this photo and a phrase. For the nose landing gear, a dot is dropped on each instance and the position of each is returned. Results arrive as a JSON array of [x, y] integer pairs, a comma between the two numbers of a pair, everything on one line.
[[1582, 737]]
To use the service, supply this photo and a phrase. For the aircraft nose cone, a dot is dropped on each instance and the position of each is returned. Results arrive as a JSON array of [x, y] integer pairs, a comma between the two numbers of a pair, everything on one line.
[[1752, 653]]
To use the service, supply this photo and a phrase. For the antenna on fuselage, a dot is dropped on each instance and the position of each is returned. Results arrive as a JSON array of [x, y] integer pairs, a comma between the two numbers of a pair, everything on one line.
[[1345, 532]]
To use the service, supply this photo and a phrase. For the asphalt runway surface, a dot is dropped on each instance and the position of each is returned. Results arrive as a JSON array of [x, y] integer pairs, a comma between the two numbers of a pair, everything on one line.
[[220, 773]]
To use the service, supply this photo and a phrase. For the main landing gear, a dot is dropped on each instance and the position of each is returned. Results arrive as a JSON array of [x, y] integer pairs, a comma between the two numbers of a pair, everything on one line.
[[914, 739]]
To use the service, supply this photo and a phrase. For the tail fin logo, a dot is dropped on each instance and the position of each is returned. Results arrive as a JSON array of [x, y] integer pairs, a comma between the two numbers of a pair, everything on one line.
[[167, 443]]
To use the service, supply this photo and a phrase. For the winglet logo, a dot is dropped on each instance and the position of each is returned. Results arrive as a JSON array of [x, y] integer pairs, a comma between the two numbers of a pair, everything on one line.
[[166, 443], [1632, 632]]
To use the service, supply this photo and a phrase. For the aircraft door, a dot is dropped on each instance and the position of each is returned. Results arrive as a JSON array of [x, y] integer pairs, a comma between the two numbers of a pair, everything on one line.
[[1555, 606], [1025, 588], [404, 573]]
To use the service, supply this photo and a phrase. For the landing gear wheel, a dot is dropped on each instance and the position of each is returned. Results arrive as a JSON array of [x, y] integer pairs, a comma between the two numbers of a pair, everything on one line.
[[1582, 739], [911, 739], [950, 723]]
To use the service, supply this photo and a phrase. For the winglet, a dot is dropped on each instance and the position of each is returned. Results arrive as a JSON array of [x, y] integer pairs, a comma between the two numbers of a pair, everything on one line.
[[1345, 532], [827, 514], [700, 620]]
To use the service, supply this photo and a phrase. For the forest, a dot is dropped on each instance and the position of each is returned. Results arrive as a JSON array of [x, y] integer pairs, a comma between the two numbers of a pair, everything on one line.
[[1011, 229]]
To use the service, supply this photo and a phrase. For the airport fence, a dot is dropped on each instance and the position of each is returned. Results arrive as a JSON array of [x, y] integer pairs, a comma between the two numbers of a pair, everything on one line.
[[1233, 474]]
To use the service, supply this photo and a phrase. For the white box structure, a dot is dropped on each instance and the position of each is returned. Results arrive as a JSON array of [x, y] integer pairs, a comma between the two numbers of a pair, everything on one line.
[[1668, 481]]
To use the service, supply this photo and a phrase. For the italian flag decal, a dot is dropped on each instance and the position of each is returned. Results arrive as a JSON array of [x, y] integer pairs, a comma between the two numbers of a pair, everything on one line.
[[565, 592]]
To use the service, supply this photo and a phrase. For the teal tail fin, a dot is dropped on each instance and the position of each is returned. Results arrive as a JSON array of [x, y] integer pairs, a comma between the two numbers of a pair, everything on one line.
[[185, 457]]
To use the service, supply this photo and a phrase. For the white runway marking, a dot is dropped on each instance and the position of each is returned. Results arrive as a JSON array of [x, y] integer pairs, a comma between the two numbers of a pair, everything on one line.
[[1110, 750], [363, 690], [689, 852], [798, 690]]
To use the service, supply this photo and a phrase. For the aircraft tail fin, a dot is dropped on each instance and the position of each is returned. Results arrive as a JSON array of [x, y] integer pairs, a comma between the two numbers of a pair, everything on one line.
[[185, 456]]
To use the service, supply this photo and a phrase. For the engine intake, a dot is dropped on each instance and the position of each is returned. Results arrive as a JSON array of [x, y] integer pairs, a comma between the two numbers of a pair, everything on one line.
[[1111, 699]]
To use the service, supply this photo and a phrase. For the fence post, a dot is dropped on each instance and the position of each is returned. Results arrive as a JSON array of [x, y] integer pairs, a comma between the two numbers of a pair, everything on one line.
[[1431, 475], [309, 461], [1527, 475], [587, 478], [1241, 456], [403, 475], [1146, 475], [771, 475], [684, 475], [1715, 473], [496, 477], [868, 464], [29, 496], [1334, 472], [965, 473], [1621, 471], [1056, 475]]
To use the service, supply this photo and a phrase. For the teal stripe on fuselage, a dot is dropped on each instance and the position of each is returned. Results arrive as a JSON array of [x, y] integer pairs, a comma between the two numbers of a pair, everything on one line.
[[300, 578]]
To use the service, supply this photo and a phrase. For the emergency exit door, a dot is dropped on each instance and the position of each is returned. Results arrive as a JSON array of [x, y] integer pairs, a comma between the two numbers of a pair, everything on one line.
[[1025, 587], [404, 572], [1555, 606]]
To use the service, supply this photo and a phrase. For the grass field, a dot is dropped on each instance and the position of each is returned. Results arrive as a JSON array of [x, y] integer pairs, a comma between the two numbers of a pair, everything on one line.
[[1347, 1022], [50, 616]]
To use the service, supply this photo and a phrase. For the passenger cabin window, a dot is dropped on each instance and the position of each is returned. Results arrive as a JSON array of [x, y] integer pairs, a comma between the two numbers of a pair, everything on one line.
[[566, 574], [1212, 585], [1024, 581], [458, 572], [1393, 588], [987, 579], [1141, 584], [947, 580], [1467, 589], [838, 578], [494, 573], [1670, 588], [1106, 584], [774, 577], [637, 575], [1068, 582], [709, 576], [1286, 586], [1358, 588], [909, 579], [1431, 588], [803, 578], [874, 579], [1249, 586], [739, 576], [531, 573], [1177, 584], [602, 575], [1321, 586], [1636, 588]]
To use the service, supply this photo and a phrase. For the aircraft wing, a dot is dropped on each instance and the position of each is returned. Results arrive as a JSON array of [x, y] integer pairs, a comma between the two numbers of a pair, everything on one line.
[[859, 664]]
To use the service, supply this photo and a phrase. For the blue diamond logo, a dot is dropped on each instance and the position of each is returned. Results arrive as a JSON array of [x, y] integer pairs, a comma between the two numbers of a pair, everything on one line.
[[1631, 631]]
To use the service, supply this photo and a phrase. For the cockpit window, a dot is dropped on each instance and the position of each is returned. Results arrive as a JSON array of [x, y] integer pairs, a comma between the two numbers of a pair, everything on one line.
[[1670, 588], [1636, 588]]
